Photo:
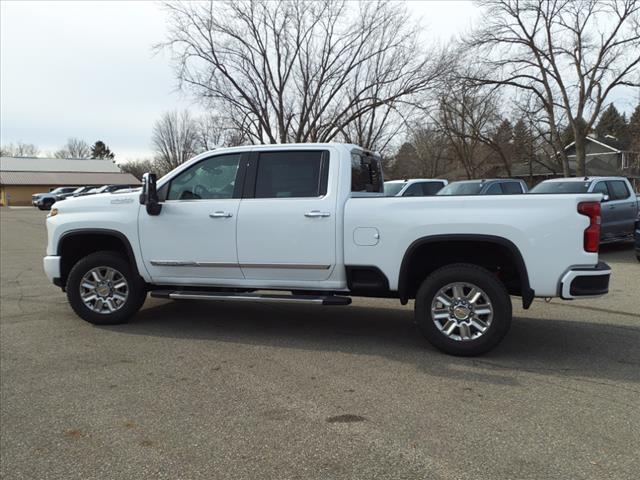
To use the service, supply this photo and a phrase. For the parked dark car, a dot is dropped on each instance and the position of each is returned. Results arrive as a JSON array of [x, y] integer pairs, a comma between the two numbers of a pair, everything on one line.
[[104, 189], [637, 235], [113, 188], [44, 200], [74, 193], [619, 202], [499, 186]]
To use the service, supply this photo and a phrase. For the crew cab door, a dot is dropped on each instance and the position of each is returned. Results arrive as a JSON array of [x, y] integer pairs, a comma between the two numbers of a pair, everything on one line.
[[286, 221], [193, 239]]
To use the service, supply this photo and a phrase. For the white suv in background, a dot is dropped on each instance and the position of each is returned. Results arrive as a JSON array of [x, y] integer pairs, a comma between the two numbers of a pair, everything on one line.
[[414, 187]]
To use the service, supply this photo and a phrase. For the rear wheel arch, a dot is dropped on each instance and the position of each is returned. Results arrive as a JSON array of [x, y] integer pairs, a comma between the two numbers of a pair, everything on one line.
[[77, 244], [444, 247]]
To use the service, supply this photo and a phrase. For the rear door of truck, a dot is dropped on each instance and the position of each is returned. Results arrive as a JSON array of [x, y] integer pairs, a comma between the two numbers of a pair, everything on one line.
[[286, 221]]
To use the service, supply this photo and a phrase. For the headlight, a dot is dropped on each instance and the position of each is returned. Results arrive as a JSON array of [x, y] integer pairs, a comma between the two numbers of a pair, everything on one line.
[[53, 212]]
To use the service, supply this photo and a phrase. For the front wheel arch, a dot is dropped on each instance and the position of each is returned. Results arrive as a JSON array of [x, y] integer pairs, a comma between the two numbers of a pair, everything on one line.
[[77, 244]]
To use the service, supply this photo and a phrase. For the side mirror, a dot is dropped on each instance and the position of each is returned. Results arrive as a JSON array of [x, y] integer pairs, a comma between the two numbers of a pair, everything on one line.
[[605, 198], [149, 195]]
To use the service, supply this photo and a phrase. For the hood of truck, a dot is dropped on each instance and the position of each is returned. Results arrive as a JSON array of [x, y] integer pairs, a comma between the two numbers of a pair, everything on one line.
[[98, 202]]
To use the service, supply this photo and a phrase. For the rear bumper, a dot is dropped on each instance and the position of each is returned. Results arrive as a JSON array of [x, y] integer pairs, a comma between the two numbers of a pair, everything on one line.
[[581, 282]]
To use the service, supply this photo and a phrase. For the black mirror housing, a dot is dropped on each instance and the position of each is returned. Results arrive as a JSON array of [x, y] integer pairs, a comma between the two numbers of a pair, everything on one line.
[[149, 195]]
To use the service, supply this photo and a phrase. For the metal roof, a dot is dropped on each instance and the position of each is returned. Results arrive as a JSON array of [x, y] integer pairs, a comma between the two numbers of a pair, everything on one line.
[[29, 164], [67, 178]]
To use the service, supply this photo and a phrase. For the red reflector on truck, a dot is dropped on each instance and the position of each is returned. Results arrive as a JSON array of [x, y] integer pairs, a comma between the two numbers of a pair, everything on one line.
[[592, 232]]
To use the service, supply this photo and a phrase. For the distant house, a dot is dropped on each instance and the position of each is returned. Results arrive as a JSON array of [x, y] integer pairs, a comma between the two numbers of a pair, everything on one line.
[[22, 177], [604, 157]]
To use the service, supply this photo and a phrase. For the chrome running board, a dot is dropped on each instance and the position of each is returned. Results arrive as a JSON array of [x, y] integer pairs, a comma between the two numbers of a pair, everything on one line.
[[251, 297]]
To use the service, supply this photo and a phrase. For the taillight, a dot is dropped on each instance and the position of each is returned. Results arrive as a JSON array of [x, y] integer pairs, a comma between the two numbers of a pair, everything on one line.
[[592, 232]]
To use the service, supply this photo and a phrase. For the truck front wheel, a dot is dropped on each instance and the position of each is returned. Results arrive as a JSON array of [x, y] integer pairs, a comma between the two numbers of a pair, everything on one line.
[[104, 289], [463, 309]]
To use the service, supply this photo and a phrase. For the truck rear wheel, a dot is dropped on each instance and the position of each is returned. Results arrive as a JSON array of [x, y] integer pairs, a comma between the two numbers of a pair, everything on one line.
[[104, 289], [463, 309]]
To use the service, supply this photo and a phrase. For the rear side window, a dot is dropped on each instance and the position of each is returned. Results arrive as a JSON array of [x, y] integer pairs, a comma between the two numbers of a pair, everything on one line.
[[618, 190], [413, 190], [431, 188], [366, 174], [494, 190], [511, 188], [292, 174]]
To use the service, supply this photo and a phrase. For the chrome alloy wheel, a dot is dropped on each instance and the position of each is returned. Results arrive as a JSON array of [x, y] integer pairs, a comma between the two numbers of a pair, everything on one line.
[[104, 290], [462, 311]]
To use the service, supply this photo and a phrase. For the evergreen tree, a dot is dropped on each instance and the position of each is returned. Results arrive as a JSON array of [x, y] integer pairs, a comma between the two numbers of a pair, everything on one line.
[[405, 163], [611, 123], [523, 142], [100, 150], [567, 134], [503, 136], [634, 130]]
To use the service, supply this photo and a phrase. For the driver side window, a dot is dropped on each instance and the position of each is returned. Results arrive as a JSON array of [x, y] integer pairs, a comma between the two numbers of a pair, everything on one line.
[[213, 178]]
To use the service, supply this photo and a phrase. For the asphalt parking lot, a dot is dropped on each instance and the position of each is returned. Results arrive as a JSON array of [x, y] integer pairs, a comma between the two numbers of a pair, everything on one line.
[[214, 390]]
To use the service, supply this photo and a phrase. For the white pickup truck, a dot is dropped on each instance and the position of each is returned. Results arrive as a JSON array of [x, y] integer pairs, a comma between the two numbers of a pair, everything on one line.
[[310, 223]]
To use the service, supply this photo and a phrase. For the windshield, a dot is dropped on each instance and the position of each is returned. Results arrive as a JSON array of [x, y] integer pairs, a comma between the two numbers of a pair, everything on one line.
[[391, 189], [461, 188], [561, 187]]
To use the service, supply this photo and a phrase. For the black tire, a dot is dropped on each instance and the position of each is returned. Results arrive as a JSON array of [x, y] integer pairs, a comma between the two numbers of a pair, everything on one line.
[[489, 284], [136, 288]]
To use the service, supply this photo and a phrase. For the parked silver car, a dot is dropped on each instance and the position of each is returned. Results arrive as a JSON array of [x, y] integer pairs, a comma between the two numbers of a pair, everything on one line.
[[619, 202]]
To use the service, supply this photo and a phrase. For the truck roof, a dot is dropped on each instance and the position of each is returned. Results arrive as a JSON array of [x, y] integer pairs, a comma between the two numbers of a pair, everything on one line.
[[583, 179], [284, 146], [407, 180]]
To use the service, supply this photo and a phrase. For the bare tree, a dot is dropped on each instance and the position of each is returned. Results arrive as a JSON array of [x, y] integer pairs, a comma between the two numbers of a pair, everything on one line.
[[467, 116], [289, 71], [569, 54], [432, 150], [74, 148], [138, 167], [20, 149], [214, 131], [175, 139]]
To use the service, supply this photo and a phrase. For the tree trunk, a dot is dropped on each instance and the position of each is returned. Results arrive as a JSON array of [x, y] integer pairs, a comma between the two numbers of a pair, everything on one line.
[[581, 169]]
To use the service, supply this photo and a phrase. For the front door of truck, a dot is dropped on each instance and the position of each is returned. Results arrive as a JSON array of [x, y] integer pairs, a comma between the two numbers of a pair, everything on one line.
[[193, 239], [287, 222]]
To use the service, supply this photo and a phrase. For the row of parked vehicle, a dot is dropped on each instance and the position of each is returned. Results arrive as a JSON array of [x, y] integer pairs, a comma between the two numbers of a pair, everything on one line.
[[44, 200], [620, 205]]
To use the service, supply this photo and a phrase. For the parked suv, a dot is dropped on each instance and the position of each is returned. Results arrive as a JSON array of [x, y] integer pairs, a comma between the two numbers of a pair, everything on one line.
[[44, 200], [414, 187], [619, 203], [485, 187]]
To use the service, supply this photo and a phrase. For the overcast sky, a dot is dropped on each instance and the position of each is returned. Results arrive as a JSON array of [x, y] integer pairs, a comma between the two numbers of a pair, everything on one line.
[[87, 70]]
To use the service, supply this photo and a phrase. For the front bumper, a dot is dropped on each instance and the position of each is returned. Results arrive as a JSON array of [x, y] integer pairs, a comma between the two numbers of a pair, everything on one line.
[[581, 282], [51, 265]]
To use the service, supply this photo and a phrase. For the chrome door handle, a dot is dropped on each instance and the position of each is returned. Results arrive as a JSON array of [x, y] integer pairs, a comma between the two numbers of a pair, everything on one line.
[[317, 213], [220, 215]]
